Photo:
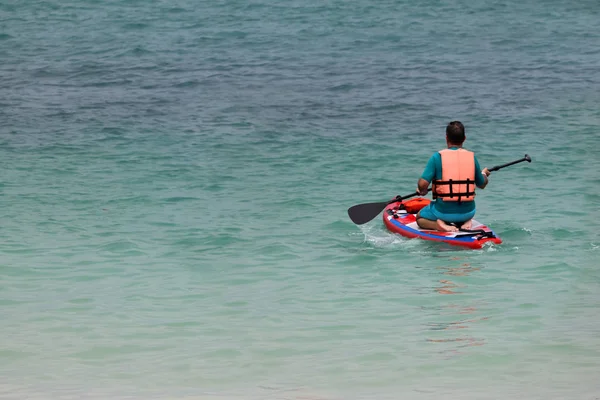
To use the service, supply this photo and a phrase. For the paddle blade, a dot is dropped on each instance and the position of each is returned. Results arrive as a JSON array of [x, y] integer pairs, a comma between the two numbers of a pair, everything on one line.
[[363, 213]]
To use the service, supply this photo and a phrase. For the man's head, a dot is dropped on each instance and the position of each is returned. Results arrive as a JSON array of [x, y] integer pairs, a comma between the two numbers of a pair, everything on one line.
[[455, 133]]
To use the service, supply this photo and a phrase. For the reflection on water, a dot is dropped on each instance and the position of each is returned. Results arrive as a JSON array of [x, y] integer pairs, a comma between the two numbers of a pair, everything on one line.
[[463, 270], [455, 318], [448, 287]]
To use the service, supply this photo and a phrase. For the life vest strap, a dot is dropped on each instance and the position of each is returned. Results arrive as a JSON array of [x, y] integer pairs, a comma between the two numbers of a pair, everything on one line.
[[461, 194], [453, 182], [451, 193]]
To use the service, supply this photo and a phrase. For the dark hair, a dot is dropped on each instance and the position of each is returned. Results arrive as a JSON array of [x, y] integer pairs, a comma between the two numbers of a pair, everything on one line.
[[455, 132]]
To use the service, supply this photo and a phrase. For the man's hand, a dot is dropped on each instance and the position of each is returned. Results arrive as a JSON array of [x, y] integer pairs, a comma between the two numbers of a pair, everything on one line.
[[486, 172]]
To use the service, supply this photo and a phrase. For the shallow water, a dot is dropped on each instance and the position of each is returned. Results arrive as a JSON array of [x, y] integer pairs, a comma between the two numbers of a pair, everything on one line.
[[176, 180]]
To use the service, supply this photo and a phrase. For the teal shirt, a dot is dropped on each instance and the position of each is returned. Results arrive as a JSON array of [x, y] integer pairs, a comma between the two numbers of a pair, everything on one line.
[[433, 170]]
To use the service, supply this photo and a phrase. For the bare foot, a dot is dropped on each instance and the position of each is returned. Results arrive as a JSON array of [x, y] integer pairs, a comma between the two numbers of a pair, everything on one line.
[[442, 226], [467, 225]]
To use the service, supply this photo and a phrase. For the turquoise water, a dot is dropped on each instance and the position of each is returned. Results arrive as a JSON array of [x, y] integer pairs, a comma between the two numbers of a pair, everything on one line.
[[176, 177]]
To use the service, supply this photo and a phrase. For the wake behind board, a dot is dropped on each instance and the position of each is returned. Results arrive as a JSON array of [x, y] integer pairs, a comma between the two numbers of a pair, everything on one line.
[[398, 219]]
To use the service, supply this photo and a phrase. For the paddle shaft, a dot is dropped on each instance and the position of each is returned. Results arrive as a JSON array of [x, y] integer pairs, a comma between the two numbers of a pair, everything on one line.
[[497, 167], [400, 198]]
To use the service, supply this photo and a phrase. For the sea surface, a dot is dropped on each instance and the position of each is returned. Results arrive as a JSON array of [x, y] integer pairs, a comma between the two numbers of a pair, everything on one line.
[[175, 179]]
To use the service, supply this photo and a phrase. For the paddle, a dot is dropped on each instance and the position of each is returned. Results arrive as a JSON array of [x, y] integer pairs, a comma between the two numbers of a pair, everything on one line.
[[363, 213]]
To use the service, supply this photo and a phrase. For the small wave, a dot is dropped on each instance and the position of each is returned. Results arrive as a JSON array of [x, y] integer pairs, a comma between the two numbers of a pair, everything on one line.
[[134, 199], [234, 34], [381, 238], [136, 26], [175, 10], [101, 84], [136, 51], [221, 240], [122, 246], [179, 199], [490, 247], [515, 234], [346, 87], [187, 84], [113, 131]]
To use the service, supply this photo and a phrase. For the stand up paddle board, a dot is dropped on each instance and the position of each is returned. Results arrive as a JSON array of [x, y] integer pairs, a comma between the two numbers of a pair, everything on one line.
[[400, 217]]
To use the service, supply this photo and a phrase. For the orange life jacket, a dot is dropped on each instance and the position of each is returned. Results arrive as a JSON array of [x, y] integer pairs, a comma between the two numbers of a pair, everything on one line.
[[458, 176]]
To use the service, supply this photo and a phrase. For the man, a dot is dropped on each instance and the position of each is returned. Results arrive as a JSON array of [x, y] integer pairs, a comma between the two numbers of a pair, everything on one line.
[[454, 173]]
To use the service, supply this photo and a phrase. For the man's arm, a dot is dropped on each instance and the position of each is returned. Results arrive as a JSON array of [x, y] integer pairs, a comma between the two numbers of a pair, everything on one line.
[[422, 186], [481, 179], [427, 176], [485, 172]]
